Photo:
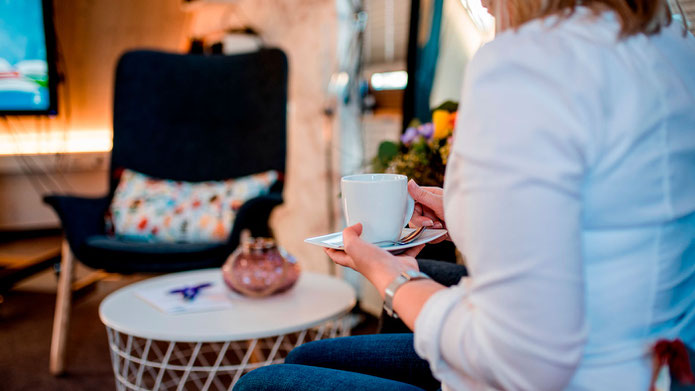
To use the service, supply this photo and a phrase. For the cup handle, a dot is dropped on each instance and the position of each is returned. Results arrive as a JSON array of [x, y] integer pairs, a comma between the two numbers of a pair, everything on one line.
[[409, 209]]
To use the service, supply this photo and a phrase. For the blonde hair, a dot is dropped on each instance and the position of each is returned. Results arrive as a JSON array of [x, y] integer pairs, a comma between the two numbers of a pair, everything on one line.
[[636, 16]]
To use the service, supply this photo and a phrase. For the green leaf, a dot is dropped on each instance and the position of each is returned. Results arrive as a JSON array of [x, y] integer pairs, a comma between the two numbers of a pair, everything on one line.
[[414, 123], [449, 106], [387, 151]]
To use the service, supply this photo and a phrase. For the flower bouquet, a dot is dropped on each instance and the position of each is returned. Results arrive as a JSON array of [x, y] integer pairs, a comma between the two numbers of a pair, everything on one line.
[[423, 149]]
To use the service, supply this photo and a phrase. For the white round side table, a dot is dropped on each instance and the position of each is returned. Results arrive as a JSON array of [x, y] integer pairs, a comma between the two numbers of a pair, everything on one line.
[[151, 350]]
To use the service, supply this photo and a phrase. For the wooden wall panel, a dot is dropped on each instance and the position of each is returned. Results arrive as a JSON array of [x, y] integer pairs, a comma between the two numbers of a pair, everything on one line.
[[376, 36], [689, 10], [92, 34]]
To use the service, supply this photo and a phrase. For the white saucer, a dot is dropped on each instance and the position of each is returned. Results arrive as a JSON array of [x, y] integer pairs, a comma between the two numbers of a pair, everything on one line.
[[335, 240]]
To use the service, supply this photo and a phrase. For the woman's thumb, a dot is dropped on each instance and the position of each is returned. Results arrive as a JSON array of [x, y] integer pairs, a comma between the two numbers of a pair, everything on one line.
[[352, 231], [423, 196]]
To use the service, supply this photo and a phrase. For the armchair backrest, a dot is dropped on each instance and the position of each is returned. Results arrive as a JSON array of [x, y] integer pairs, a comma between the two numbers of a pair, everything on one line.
[[196, 118]]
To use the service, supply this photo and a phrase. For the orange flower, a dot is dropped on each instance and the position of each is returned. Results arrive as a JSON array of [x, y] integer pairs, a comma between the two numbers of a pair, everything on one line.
[[452, 119], [441, 119]]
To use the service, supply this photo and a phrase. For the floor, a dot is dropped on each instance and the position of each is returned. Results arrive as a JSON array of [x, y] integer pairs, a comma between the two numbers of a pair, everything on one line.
[[26, 317], [26, 311], [26, 256]]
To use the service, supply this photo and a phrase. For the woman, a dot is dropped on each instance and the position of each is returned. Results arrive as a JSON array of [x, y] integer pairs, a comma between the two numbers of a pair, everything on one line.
[[571, 192]]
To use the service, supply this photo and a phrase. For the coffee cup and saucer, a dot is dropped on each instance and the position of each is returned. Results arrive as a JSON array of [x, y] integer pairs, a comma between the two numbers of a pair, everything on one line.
[[381, 203]]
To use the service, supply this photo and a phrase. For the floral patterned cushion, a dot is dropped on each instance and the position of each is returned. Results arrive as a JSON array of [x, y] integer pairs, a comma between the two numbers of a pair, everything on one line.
[[160, 210]]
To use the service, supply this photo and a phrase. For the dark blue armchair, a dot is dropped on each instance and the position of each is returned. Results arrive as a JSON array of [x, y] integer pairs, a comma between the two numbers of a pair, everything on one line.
[[181, 117]]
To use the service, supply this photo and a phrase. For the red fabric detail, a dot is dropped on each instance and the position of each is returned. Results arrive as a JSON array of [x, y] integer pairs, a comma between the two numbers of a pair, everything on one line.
[[142, 224], [117, 173], [675, 355]]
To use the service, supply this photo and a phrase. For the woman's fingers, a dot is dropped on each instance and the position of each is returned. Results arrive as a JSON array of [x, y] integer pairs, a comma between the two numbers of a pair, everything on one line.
[[340, 257], [427, 198], [413, 251], [427, 212], [433, 189], [361, 252], [427, 218], [417, 220], [436, 222], [439, 240], [420, 221], [352, 234]]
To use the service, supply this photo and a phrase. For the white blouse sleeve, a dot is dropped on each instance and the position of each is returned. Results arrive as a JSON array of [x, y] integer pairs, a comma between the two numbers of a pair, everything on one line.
[[513, 207]]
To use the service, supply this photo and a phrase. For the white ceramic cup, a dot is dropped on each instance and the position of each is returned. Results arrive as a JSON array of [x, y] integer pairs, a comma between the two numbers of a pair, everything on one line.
[[380, 202]]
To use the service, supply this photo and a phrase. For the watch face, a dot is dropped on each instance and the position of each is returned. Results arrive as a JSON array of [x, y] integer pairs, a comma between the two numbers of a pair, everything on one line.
[[411, 274]]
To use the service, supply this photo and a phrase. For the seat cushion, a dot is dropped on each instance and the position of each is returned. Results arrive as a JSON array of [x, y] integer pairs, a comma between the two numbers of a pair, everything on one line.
[[127, 256], [109, 243]]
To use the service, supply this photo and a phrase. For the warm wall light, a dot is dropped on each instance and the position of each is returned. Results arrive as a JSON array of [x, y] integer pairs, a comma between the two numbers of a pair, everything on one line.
[[38, 143]]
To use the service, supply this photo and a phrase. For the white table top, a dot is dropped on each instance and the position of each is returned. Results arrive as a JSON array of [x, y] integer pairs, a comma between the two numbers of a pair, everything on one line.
[[315, 299]]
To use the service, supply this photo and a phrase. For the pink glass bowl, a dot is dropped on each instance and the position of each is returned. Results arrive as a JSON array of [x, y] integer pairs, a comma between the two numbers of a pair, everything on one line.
[[258, 268]]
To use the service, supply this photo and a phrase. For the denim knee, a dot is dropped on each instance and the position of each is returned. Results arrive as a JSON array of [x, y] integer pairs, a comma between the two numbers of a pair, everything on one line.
[[302, 354], [255, 380]]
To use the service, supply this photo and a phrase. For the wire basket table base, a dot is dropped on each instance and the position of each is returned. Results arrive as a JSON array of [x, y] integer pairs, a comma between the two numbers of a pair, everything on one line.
[[141, 364]]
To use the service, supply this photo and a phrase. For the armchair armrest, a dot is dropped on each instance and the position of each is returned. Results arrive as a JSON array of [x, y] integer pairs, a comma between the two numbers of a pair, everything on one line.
[[254, 215], [81, 217]]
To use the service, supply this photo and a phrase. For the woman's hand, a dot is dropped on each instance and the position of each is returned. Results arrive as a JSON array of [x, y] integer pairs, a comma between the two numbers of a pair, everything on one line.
[[429, 208], [377, 265]]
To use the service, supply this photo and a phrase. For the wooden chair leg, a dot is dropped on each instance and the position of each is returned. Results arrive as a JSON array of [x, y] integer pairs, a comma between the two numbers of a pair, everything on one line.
[[61, 320]]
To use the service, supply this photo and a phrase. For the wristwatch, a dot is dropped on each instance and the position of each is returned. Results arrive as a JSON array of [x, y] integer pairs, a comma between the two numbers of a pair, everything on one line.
[[406, 276]]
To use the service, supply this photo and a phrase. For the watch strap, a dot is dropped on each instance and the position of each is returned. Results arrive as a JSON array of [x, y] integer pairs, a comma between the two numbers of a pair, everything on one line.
[[389, 293]]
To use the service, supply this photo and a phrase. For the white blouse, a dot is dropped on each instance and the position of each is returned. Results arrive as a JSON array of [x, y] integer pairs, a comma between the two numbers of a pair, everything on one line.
[[571, 192]]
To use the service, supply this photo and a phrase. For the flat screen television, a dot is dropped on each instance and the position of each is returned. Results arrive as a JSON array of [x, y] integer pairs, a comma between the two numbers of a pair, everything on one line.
[[27, 67]]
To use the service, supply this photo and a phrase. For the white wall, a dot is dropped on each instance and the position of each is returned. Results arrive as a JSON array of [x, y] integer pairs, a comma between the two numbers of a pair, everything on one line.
[[92, 35], [95, 32], [459, 41], [24, 181]]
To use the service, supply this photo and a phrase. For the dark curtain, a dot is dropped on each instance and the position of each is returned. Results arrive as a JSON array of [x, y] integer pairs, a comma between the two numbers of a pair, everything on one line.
[[422, 58]]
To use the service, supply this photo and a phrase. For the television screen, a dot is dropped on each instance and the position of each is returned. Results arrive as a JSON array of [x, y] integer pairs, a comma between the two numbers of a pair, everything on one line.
[[27, 70]]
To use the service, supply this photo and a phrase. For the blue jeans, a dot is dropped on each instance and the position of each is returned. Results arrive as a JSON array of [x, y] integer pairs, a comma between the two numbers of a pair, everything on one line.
[[382, 362]]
